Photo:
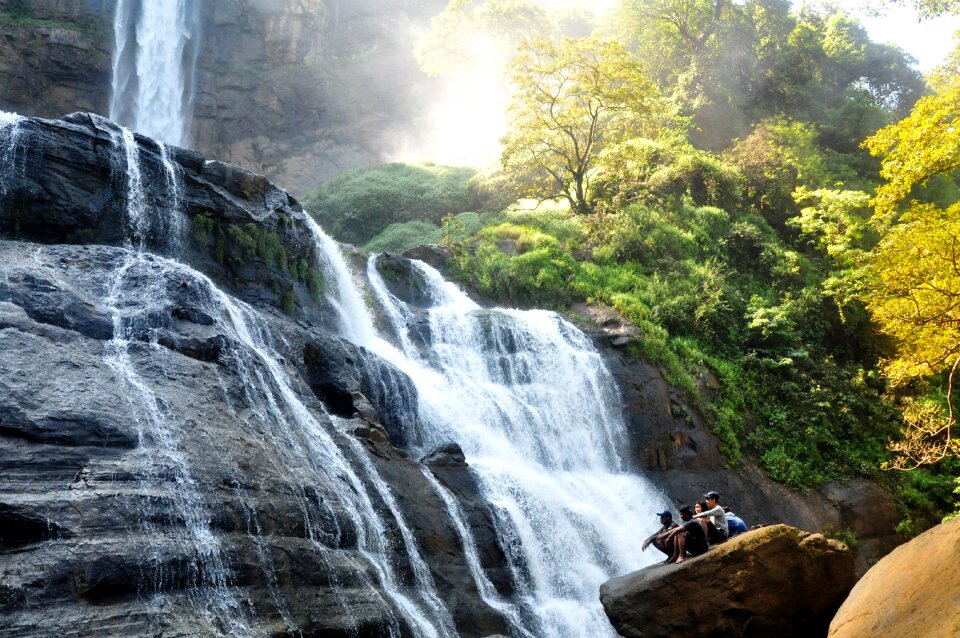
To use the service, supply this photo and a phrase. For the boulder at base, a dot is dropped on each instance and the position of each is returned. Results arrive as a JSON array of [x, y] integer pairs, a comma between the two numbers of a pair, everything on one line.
[[913, 591], [774, 581]]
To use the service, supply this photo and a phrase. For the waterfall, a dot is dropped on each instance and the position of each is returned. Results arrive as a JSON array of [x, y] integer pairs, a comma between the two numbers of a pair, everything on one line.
[[143, 218], [539, 418], [9, 132], [154, 58], [487, 591]]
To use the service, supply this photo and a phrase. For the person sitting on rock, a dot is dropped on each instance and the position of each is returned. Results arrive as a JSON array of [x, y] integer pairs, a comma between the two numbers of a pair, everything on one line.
[[734, 523], [687, 537], [666, 524], [717, 530], [698, 508]]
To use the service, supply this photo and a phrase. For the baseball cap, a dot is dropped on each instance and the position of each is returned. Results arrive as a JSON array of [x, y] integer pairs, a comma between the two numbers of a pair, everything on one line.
[[711, 495], [665, 513]]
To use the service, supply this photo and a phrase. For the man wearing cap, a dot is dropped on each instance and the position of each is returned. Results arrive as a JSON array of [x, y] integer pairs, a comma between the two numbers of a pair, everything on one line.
[[688, 537], [717, 529], [666, 524]]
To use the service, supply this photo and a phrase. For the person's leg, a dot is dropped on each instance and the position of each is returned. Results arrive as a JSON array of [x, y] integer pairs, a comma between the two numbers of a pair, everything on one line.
[[681, 547], [666, 548], [714, 535]]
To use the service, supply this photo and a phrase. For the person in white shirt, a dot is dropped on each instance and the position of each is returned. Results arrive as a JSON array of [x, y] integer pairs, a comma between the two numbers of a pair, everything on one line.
[[717, 530]]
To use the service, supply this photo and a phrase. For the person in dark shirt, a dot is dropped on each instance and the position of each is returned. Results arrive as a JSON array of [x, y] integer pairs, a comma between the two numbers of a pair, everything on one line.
[[687, 537], [666, 524]]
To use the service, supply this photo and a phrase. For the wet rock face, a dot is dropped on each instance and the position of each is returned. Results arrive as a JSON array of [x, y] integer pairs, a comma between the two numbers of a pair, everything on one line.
[[775, 581], [337, 371], [68, 181], [914, 591], [99, 511], [156, 478], [404, 281]]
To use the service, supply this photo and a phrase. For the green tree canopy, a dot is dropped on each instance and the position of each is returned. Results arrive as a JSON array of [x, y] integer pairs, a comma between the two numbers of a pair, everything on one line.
[[573, 98]]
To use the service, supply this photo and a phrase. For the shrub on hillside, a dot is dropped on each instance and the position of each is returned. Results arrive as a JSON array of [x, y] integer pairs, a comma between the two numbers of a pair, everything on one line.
[[357, 205], [665, 171], [397, 238]]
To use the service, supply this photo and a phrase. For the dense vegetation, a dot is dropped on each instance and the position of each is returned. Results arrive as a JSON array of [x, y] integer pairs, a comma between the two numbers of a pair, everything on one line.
[[733, 179], [358, 205]]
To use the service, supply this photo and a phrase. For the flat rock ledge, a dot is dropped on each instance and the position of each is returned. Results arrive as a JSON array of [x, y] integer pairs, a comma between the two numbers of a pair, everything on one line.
[[773, 581], [913, 591]]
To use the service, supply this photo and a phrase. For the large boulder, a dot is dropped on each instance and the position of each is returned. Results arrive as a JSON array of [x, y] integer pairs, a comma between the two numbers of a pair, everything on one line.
[[914, 591], [774, 581]]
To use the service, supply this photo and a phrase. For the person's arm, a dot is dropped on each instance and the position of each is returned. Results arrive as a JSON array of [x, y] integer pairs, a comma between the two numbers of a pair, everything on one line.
[[670, 533], [716, 511], [650, 538]]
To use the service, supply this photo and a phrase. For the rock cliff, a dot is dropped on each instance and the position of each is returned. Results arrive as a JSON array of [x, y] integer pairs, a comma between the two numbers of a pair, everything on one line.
[[299, 91], [168, 465], [774, 581]]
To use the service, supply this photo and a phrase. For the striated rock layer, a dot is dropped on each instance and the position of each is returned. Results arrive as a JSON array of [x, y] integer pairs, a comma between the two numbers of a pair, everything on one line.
[[774, 581], [914, 591], [168, 466]]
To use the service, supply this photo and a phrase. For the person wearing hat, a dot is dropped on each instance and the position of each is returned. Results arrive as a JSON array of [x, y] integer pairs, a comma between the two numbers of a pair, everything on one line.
[[666, 524], [688, 537], [717, 529]]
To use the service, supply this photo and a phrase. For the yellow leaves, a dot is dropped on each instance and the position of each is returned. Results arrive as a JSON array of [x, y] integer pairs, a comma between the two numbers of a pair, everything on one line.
[[573, 98], [917, 298], [925, 143]]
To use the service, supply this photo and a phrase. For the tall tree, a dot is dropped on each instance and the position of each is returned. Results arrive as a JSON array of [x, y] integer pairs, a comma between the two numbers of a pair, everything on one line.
[[572, 99], [916, 299]]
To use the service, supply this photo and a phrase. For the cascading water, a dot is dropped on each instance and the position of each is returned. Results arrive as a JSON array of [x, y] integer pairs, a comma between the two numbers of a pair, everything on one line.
[[539, 418], [9, 132], [137, 292], [154, 57], [487, 591]]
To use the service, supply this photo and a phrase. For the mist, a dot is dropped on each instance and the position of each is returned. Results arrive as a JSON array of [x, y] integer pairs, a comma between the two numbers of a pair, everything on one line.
[[465, 116]]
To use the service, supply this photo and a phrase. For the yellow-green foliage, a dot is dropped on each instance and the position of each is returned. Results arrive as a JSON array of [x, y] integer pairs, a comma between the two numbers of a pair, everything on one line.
[[400, 237]]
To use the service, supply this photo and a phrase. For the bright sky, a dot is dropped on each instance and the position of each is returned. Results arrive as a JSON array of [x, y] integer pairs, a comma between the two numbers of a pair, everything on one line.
[[928, 41]]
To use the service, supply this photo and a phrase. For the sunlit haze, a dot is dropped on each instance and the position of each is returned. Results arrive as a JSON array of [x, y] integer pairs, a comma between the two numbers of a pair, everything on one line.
[[467, 117], [468, 113]]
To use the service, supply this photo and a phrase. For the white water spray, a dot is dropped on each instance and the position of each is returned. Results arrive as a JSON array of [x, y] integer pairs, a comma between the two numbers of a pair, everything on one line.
[[9, 134], [539, 418], [153, 62]]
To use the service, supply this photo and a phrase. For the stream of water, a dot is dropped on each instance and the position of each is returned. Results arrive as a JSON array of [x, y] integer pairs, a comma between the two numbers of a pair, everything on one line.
[[154, 58], [539, 418]]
